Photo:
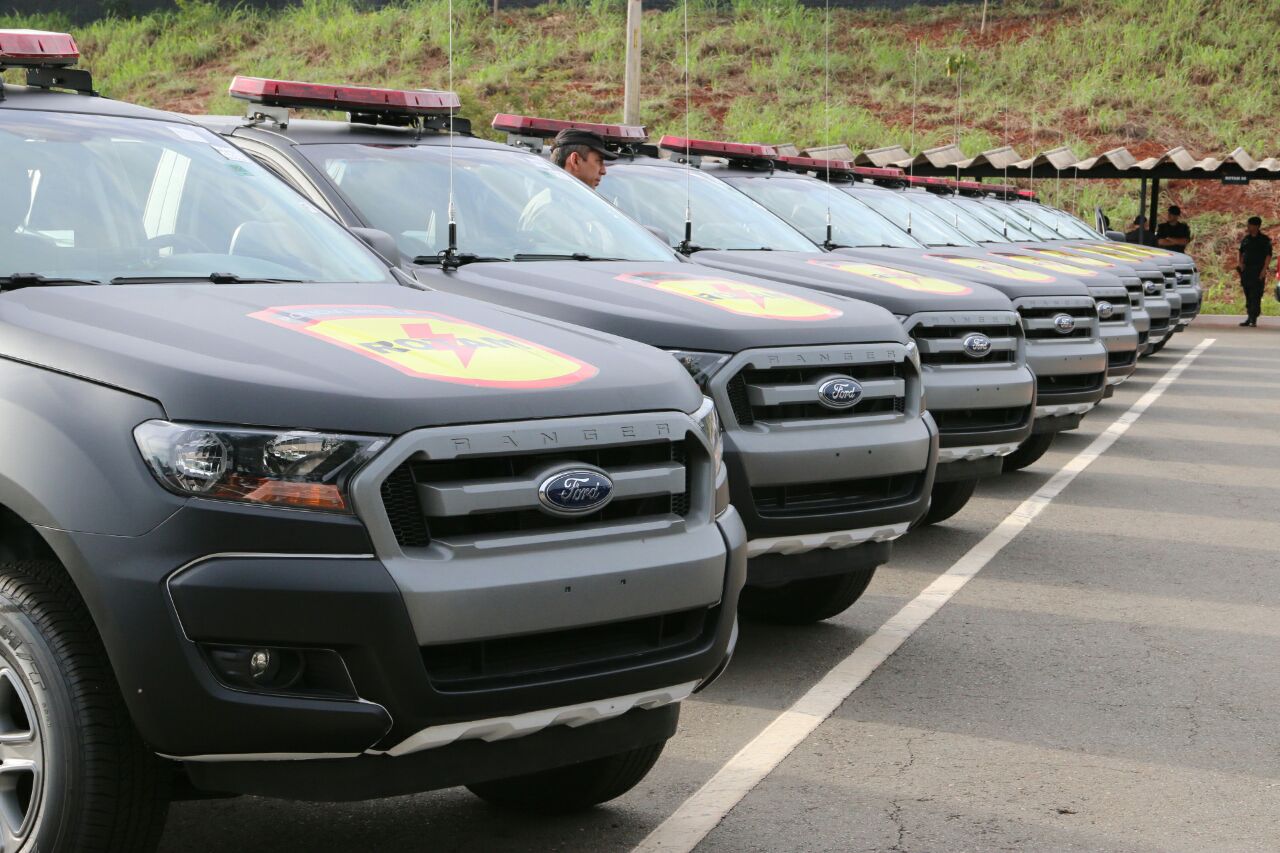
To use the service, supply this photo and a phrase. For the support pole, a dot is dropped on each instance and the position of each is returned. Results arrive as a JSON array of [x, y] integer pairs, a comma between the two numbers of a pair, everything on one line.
[[1142, 199], [631, 91], [1155, 202]]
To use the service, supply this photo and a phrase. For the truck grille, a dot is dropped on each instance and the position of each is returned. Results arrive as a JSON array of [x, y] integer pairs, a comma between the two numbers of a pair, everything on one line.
[[1048, 387], [979, 420], [941, 343], [1038, 321], [1175, 312], [1143, 337], [780, 394], [433, 500], [571, 653], [1133, 287], [833, 497], [1159, 325], [1119, 301]]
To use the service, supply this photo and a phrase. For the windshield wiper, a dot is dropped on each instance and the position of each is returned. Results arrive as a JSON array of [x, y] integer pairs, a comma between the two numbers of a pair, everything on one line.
[[18, 280], [574, 256], [455, 260], [215, 277]]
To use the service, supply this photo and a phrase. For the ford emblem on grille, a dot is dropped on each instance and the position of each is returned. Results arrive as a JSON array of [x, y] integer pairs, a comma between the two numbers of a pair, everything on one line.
[[976, 345], [839, 392], [1105, 310], [576, 492], [1064, 323]]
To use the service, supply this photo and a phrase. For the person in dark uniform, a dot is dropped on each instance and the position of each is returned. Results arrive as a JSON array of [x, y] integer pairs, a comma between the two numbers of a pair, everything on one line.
[[1255, 257], [1173, 233], [582, 154], [1140, 233]]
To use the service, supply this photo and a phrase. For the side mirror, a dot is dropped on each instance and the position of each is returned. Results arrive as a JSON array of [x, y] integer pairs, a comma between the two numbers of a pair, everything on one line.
[[1116, 236], [659, 233], [381, 242]]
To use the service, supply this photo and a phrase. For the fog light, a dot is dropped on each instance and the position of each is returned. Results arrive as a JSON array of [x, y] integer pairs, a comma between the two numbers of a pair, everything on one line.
[[270, 669], [260, 663]]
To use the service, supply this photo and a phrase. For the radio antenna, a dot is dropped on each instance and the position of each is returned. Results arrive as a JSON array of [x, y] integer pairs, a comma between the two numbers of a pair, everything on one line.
[[449, 257], [915, 96], [686, 245], [829, 243]]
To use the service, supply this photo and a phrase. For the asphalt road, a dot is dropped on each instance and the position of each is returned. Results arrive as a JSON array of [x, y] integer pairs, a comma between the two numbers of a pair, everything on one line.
[[1109, 681]]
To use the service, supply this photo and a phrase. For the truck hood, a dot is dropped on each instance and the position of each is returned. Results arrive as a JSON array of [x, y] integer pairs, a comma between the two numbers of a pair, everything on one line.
[[894, 288], [1116, 263], [672, 305], [1013, 281], [357, 358], [1162, 259]]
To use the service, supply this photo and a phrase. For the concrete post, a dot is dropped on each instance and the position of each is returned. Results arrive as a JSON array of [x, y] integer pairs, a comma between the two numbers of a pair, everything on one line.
[[631, 92]]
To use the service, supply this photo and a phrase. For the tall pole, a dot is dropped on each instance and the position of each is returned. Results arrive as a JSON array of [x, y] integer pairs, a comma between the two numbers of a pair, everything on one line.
[[631, 92]]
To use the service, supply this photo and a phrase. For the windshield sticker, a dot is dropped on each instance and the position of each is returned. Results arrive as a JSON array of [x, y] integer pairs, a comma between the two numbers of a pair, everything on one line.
[[1075, 259], [898, 278], [232, 153], [1045, 263], [189, 133], [994, 268], [427, 345], [736, 297]]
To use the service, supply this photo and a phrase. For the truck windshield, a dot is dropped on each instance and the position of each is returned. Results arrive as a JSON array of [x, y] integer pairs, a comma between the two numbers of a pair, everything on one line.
[[803, 203], [1064, 225], [1008, 229], [508, 203], [722, 218], [100, 198], [903, 210]]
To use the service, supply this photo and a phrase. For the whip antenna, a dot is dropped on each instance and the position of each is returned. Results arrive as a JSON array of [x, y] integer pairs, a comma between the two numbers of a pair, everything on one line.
[[915, 96], [686, 245], [449, 258], [828, 243]]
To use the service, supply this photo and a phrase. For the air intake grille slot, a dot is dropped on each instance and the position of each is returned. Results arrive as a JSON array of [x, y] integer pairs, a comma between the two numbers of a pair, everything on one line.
[[979, 420], [1048, 387], [841, 496], [572, 653]]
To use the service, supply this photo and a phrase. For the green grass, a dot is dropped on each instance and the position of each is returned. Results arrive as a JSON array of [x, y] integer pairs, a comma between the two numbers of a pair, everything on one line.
[[1150, 73]]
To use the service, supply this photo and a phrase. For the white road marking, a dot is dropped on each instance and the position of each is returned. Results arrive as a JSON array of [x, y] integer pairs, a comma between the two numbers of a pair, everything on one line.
[[702, 812]]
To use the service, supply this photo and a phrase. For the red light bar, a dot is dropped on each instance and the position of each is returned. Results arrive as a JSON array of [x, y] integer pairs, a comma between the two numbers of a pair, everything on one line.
[[34, 47], [1028, 194], [288, 93], [930, 182], [706, 147], [817, 164], [545, 128], [879, 172]]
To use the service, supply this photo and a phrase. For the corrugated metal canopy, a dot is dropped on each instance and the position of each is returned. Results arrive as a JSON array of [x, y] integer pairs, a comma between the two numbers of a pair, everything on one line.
[[949, 160]]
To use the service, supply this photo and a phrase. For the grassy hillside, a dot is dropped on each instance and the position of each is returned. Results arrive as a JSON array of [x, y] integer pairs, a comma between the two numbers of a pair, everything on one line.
[[1147, 74]]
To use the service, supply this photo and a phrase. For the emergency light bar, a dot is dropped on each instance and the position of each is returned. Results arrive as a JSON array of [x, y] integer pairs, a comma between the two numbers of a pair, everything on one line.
[[1027, 194], [35, 48], [545, 128], [940, 183], [355, 99], [708, 148], [844, 168]]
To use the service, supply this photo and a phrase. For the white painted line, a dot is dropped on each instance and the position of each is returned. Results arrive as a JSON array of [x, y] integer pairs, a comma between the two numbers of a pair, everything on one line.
[[698, 815]]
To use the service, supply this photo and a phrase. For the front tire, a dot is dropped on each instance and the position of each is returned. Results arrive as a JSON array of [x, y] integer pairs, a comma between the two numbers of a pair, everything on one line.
[[806, 601], [572, 788], [1028, 452], [74, 775], [947, 499]]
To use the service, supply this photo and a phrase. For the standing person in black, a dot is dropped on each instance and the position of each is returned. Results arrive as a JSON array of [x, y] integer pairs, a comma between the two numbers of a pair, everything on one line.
[[1173, 233], [1255, 257]]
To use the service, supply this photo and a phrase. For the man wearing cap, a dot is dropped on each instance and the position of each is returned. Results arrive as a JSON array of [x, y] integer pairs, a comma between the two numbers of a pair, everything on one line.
[[582, 154], [1255, 257], [1140, 233], [1173, 233]]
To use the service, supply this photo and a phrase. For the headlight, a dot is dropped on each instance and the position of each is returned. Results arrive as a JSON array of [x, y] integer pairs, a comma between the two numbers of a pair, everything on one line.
[[292, 468], [709, 423], [701, 365]]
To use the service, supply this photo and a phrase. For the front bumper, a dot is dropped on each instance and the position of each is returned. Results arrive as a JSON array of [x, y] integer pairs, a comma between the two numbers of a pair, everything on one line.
[[1071, 380], [1121, 342], [1157, 308], [219, 575], [1191, 298], [981, 413]]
